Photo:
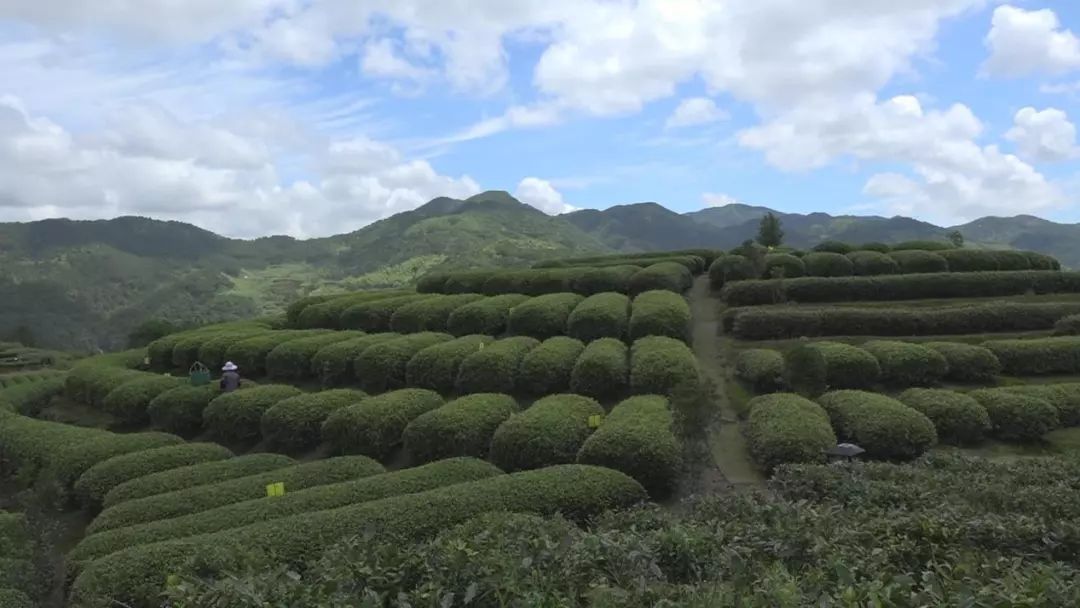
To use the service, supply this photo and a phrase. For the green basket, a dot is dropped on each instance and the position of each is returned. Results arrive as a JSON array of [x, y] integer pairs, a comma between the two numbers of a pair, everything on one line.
[[199, 374]]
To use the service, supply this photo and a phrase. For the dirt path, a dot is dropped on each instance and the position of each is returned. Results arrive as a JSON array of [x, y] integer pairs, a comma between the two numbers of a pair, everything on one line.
[[726, 441]]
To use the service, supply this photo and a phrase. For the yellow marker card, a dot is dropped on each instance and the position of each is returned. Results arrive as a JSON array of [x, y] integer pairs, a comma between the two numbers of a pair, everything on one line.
[[276, 489], [594, 420]]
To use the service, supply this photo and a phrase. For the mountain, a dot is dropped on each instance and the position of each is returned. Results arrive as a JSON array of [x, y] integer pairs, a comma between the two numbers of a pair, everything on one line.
[[84, 285]]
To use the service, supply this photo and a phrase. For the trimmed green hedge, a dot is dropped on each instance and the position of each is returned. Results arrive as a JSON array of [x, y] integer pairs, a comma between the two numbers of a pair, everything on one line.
[[847, 366], [1011, 260], [471, 281], [160, 351], [430, 314], [487, 316], [29, 398], [235, 417], [665, 275], [375, 315], [320, 498], [333, 364], [959, 419], [599, 280], [659, 364], [901, 287], [432, 282], [1037, 356], [250, 354], [190, 476], [29, 445], [294, 425], [128, 402], [831, 246], [706, 255], [603, 315], [294, 310], [374, 426], [1064, 397], [436, 367], [98, 480], [793, 322], [872, 263], [328, 314], [213, 349], [292, 360], [71, 461], [828, 264], [89, 383], [730, 268], [805, 370], [463, 427], [784, 266], [547, 368], [923, 245], [762, 368], [180, 410], [494, 368], [383, 366], [548, 433], [1017, 417], [602, 371], [969, 260], [583, 280], [967, 362], [785, 429], [694, 263], [917, 261], [544, 316], [134, 576], [884, 427], [186, 349], [204, 497], [907, 364], [1068, 326], [636, 438], [660, 313]]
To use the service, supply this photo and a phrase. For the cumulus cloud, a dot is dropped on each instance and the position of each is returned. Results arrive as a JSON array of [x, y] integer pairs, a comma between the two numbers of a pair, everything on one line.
[[1023, 42], [1045, 135], [716, 199], [695, 111], [541, 194]]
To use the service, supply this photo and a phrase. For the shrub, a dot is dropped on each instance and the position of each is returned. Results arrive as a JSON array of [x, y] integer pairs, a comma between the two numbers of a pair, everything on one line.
[[432, 282], [916, 261], [204, 473], [71, 461], [874, 246], [1067, 326], [924, 245], [967, 362], [907, 364], [487, 316], [603, 315], [436, 367], [376, 315], [637, 439], [805, 370], [884, 427], [374, 426], [320, 498], [333, 364], [1041, 261], [186, 349], [90, 384], [180, 410], [833, 247], [28, 445], [201, 498], [659, 364], [294, 425], [785, 429], [602, 370], [762, 368], [728, 268], [825, 264], [328, 314], [547, 368], [1037, 356], [599, 280], [383, 365], [959, 419], [95, 483], [160, 351], [429, 314], [494, 368], [213, 349], [134, 575], [848, 366], [292, 360], [665, 275], [543, 316], [129, 401], [1011, 260], [660, 313], [1064, 397], [235, 417], [970, 260], [1017, 417], [784, 266], [463, 427], [548, 433], [250, 354], [30, 398], [294, 310], [872, 263]]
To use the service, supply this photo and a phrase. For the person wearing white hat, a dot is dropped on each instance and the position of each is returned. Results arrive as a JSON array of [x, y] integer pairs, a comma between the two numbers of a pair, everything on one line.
[[230, 377]]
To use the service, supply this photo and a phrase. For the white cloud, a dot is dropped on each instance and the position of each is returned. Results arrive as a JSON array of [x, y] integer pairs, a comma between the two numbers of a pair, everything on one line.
[[1025, 42], [1044, 136], [541, 194], [716, 199], [382, 60], [695, 111]]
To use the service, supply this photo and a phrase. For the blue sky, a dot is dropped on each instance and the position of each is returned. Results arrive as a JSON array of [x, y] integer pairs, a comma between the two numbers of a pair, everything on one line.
[[314, 117]]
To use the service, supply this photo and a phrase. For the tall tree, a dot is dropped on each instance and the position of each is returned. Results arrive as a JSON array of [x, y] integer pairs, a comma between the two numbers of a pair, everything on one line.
[[770, 234], [956, 238]]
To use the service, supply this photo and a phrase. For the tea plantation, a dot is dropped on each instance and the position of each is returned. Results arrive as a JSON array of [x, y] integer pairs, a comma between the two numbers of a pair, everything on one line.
[[634, 430]]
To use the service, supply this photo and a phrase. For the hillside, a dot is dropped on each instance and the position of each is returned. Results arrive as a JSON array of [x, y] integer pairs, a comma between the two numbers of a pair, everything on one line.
[[84, 285]]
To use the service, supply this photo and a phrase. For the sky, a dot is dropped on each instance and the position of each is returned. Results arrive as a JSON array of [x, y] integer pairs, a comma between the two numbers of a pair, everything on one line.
[[318, 117]]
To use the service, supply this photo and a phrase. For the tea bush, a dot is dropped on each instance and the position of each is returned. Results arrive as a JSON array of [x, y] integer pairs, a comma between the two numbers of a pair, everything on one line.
[[374, 426], [784, 266], [189, 476], [914, 261], [292, 360], [436, 367], [463, 427], [828, 264], [328, 314], [488, 316], [1067, 326], [333, 364], [294, 425], [494, 369], [30, 398], [967, 362], [730, 268], [603, 315], [833, 247], [160, 351], [383, 365], [128, 402], [29, 445], [250, 354], [659, 364], [235, 417], [1064, 397], [762, 368], [786, 428], [872, 263], [544, 316], [547, 368], [602, 370], [98, 480], [376, 315], [923, 245], [907, 364], [1011, 260], [660, 313], [1059, 355], [180, 410], [213, 349], [294, 310], [548, 433], [599, 280], [1017, 417], [959, 419], [805, 370], [884, 427], [429, 314], [848, 366], [71, 461], [970, 260], [665, 275]]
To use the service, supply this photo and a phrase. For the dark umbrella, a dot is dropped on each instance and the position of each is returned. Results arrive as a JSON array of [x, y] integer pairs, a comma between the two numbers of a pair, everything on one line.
[[844, 450]]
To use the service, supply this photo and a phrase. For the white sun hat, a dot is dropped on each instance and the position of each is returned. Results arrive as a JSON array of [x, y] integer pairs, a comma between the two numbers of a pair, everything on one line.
[[229, 367]]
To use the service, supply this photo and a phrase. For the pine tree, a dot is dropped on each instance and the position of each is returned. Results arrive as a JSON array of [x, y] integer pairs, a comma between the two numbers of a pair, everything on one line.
[[770, 234]]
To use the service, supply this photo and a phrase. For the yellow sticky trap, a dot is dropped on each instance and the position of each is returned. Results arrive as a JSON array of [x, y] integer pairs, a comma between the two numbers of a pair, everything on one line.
[[276, 489], [594, 420]]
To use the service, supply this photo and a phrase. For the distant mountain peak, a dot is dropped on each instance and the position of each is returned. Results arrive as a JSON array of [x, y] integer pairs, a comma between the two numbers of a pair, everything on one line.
[[494, 196]]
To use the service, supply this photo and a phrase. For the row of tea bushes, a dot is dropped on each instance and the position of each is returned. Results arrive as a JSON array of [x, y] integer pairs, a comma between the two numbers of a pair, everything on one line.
[[694, 263], [1059, 355], [707, 256], [900, 287], [734, 267], [18, 574], [135, 576], [584, 280], [30, 397]]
